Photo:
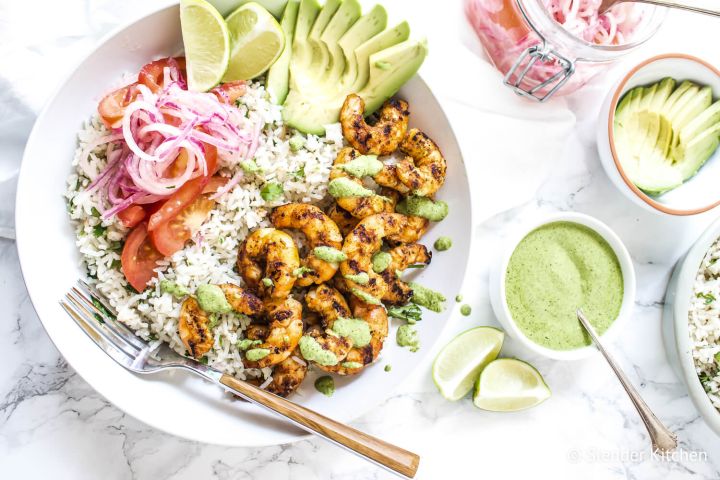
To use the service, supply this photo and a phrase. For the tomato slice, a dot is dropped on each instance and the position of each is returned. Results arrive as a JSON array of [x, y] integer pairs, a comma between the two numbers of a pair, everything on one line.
[[229, 92], [131, 216], [182, 197], [215, 184], [178, 166], [170, 237], [152, 74], [139, 258], [112, 107]]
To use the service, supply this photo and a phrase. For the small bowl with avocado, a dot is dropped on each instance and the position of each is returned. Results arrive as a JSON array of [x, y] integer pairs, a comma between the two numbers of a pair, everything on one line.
[[551, 268], [659, 134]]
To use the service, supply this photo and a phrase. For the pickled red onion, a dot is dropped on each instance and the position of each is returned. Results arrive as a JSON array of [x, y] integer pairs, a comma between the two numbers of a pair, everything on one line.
[[155, 127]]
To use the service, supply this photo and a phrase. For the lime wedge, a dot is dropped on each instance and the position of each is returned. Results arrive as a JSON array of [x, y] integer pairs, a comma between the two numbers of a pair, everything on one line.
[[207, 44], [509, 385], [458, 364], [257, 41]]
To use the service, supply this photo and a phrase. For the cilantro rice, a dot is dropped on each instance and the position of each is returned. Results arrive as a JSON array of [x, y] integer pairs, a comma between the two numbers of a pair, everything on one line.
[[704, 323], [297, 174]]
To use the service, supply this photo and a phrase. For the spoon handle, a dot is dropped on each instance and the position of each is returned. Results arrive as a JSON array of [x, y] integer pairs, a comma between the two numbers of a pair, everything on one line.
[[663, 440], [698, 6]]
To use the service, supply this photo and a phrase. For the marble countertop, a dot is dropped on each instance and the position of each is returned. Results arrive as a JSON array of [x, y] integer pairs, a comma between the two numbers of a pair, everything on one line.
[[54, 425]]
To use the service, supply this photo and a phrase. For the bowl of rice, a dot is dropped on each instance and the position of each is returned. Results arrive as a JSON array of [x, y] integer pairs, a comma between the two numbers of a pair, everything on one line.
[[691, 324], [55, 251]]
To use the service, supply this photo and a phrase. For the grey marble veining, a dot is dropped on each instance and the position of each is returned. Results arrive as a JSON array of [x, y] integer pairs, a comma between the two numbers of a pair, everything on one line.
[[53, 425]]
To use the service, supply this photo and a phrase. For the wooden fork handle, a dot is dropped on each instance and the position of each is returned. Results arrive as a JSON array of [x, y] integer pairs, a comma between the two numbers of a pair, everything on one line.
[[384, 454]]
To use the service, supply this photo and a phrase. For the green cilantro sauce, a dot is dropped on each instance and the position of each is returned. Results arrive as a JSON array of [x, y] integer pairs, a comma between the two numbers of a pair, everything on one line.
[[312, 351], [362, 166], [427, 298], [344, 187], [325, 385], [361, 278], [442, 244], [555, 270], [212, 299], [255, 354], [329, 254], [356, 330], [174, 289], [381, 261], [407, 336]]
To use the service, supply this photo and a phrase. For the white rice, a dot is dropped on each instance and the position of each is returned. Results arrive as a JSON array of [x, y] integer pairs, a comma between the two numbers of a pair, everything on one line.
[[704, 323], [210, 257]]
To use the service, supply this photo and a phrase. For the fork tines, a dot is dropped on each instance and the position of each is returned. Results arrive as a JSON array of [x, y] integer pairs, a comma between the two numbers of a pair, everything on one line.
[[86, 307]]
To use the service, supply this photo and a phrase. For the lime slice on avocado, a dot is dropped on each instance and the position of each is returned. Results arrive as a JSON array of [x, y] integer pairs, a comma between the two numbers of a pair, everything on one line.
[[509, 385], [458, 364], [207, 44], [256, 42]]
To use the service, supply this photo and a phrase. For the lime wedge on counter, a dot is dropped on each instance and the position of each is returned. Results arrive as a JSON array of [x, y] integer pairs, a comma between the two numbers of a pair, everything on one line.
[[207, 44], [256, 42], [508, 385], [459, 363]]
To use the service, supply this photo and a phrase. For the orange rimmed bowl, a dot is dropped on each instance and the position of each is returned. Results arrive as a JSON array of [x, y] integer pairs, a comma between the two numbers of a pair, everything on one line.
[[698, 194]]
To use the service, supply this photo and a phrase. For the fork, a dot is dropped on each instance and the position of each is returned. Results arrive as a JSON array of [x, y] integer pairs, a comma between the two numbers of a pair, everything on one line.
[[87, 307], [707, 7]]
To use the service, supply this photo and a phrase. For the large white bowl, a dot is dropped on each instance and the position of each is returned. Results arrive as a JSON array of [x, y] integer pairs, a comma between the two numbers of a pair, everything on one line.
[[698, 194], [49, 260], [676, 334], [499, 269]]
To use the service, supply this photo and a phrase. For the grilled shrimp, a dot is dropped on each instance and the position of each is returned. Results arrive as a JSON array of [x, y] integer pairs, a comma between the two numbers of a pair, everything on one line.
[[376, 317], [283, 332], [342, 218], [388, 177], [288, 375], [319, 230], [403, 256], [270, 254], [330, 305], [366, 239], [241, 300], [359, 207], [413, 231], [194, 328], [423, 171], [382, 138]]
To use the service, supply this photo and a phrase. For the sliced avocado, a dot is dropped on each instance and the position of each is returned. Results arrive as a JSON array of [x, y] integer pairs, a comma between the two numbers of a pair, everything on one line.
[[647, 96], [386, 39], [675, 96], [344, 18], [701, 123], [361, 31], [662, 136], [665, 88], [302, 51], [320, 54], [693, 107], [699, 150], [344, 53], [390, 69], [628, 104], [278, 77]]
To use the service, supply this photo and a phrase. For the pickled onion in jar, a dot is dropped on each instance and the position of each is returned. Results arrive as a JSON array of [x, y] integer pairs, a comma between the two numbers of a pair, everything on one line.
[[505, 34]]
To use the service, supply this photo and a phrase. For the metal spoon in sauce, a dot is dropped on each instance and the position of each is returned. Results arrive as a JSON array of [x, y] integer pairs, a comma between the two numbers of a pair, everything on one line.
[[707, 7], [663, 440]]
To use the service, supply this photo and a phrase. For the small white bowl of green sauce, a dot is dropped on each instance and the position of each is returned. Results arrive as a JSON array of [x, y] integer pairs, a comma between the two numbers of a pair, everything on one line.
[[553, 267]]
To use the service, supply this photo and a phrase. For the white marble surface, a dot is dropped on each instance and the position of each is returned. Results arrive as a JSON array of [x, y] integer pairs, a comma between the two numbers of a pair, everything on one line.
[[53, 425]]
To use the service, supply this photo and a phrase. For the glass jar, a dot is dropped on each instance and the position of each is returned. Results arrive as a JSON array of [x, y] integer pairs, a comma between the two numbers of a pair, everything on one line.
[[540, 57]]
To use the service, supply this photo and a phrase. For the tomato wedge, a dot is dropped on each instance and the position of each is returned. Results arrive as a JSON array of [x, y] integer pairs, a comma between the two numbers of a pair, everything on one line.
[[170, 237], [131, 216], [183, 197], [229, 92], [178, 166], [215, 184], [152, 74], [112, 107], [139, 258]]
